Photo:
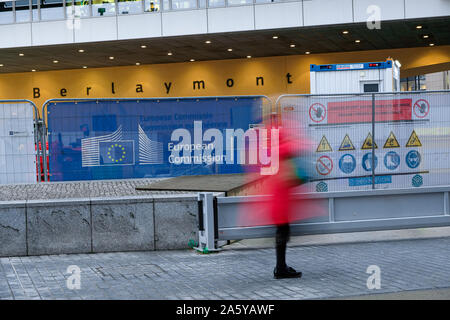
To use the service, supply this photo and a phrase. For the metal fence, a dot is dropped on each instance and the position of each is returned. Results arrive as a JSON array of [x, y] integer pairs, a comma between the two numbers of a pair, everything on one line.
[[20, 158], [90, 139], [374, 141]]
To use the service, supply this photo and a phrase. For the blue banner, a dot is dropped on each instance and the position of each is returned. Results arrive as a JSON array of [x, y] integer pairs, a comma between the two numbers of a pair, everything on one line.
[[92, 140]]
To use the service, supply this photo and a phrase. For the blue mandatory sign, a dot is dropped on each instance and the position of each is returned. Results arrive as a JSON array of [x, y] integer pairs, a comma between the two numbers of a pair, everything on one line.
[[413, 159], [391, 160], [367, 161], [347, 163]]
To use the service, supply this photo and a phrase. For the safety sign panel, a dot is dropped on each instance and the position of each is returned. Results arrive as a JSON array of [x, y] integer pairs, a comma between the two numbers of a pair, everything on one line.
[[367, 162], [413, 140], [369, 143], [317, 112], [324, 165], [324, 145], [413, 159], [410, 137], [391, 160], [346, 144], [347, 163], [421, 108], [391, 142]]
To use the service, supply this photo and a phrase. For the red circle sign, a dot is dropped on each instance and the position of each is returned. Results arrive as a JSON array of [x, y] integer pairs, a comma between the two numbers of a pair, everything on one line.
[[317, 112], [421, 108], [324, 165]]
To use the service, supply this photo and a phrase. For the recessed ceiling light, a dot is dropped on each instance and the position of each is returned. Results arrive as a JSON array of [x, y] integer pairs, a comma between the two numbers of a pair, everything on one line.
[[55, 61], [111, 58], [208, 41], [33, 70], [357, 41], [248, 57], [418, 27], [84, 67], [431, 44], [345, 32], [138, 63], [169, 53], [1, 65], [230, 49], [21, 54], [192, 60], [275, 37], [307, 52], [81, 50], [292, 45], [143, 46], [425, 36]]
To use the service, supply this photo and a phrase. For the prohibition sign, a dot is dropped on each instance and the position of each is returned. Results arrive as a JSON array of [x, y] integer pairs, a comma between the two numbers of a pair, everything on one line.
[[324, 165], [421, 108], [317, 112]]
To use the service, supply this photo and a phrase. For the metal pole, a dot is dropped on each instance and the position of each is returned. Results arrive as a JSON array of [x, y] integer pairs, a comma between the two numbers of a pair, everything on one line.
[[373, 141]]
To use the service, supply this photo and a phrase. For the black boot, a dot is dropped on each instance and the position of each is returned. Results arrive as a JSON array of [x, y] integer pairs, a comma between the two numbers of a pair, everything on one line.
[[286, 272]]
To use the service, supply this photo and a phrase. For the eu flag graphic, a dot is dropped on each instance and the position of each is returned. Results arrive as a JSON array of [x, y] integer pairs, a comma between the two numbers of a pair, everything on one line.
[[116, 152]]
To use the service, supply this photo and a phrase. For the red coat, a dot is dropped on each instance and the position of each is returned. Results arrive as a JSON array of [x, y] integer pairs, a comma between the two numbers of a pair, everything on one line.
[[280, 188]]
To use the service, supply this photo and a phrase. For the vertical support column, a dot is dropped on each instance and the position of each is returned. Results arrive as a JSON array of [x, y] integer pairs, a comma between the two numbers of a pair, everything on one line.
[[331, 210], [373, 141], [446, 204], [206, 234]]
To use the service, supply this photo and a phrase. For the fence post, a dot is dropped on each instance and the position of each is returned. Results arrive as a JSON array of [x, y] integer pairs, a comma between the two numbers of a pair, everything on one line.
[[373, 141], [206, 232]]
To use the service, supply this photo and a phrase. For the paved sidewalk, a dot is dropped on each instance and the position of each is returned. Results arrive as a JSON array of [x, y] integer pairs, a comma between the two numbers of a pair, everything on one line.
[[329, 271], [79, 189]]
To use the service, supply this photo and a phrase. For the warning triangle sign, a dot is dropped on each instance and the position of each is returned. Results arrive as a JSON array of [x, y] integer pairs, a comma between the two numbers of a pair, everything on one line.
[[368, 142], [324, 145], [413, 140], [346, 144], [391, 141]]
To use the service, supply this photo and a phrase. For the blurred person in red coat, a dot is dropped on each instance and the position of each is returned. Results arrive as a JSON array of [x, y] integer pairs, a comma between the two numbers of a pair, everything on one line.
[[282, 207]]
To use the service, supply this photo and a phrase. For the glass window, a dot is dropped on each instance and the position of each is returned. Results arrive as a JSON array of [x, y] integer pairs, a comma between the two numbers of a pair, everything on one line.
[[216, 3], [35, 9], [52, 9], [22, 10], [239, 2], [184, 4], [6, 12], [166, 5], [152, 5], [103, 8], [130, 6], [202, 3], [77, 8]]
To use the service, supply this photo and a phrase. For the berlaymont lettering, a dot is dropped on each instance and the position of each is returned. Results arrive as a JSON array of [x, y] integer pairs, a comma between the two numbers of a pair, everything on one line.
[[139, 87]]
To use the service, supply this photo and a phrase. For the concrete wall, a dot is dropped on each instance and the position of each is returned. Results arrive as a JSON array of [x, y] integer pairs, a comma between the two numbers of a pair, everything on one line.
[[40, 227]]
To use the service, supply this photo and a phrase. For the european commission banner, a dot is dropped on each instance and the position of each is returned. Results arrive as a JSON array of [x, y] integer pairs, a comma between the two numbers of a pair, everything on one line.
[[90, 140]]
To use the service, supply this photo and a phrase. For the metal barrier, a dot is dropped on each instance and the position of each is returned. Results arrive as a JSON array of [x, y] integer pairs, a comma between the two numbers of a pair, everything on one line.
[[20, 157], [220, 218], [374, 141], [82, 146]]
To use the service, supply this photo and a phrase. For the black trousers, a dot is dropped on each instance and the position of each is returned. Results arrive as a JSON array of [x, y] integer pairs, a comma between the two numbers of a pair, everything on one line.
[[281, 239]]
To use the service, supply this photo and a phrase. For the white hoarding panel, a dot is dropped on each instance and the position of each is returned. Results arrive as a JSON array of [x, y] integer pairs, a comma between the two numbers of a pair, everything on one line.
[[17, 147], [411, 144]]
